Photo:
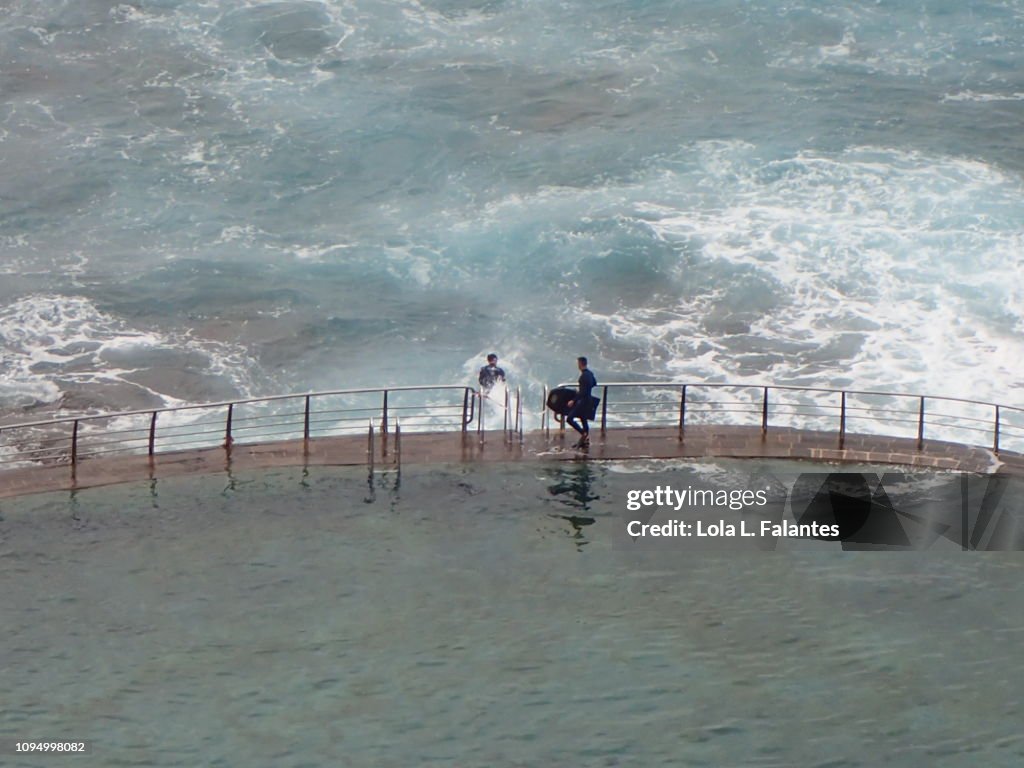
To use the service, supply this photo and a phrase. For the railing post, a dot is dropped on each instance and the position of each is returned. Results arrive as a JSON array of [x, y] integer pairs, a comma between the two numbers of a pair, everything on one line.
[[995, 439], [504, 428], [398, 443], [920, 425], [384, 417], [682, 412], [604, 408], [516, 428], [227, 427], [369, 444], [152, 434], [468, 408], [764, 412], [480, 418], [305, 425], [545, 423], [519, 414], [842, 419], [74, 444]]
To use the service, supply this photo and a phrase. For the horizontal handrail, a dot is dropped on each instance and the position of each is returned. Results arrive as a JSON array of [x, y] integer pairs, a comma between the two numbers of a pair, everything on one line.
[[252, 420], [225, 403], [774, 404], [71, 438], [794, 388]]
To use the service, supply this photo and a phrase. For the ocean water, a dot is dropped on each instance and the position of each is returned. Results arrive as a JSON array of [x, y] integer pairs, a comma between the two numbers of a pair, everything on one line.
[[201, 200], [481, 615]]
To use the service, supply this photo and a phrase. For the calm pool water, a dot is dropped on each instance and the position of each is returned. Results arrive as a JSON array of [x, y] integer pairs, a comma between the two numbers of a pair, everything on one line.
[[480, 616]]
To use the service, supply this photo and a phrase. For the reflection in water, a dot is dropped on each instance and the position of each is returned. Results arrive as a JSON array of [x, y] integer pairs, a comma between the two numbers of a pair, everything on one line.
[[79, 518], [388, 482], [574, 489], [446, 620], [231, 486]]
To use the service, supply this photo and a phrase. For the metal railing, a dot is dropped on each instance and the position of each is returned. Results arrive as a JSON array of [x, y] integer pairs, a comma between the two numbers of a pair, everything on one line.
[[458, 408], [842, 412], [511, 414], [256, 420], [226, 424]]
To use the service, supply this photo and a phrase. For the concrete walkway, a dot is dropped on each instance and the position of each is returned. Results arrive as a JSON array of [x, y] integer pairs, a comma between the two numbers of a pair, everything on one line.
[[449, 447]]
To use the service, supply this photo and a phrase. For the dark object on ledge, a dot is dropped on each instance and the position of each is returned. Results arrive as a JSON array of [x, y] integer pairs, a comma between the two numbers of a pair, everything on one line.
[[559, 398]]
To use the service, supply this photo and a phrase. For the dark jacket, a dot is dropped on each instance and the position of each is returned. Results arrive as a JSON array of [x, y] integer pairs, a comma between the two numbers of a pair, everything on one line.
[[490, 375], [587, 383]]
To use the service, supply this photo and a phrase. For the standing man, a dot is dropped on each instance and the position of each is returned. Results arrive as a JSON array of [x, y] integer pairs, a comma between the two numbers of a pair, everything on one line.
[[582, 406], [490, 374]]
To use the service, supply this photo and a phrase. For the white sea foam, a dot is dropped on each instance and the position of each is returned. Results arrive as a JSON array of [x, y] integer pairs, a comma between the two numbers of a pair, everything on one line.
[[866, 46], [919, 258], [983, 97], [49, 343], [726, 261], [873, 269]]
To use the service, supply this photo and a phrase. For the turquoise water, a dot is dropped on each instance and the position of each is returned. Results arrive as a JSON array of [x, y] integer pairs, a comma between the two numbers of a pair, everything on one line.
[[201, 200], [480, 616]]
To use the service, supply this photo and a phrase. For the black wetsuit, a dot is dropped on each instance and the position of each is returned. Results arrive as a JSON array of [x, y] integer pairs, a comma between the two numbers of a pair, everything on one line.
[[584, 404], [490, 375]]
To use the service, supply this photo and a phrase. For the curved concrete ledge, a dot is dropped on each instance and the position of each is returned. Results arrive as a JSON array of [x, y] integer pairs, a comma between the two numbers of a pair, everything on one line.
[[447, 447]]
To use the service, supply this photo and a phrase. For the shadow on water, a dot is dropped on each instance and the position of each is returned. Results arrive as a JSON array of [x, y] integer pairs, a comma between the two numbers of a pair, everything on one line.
[[573, 488]]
